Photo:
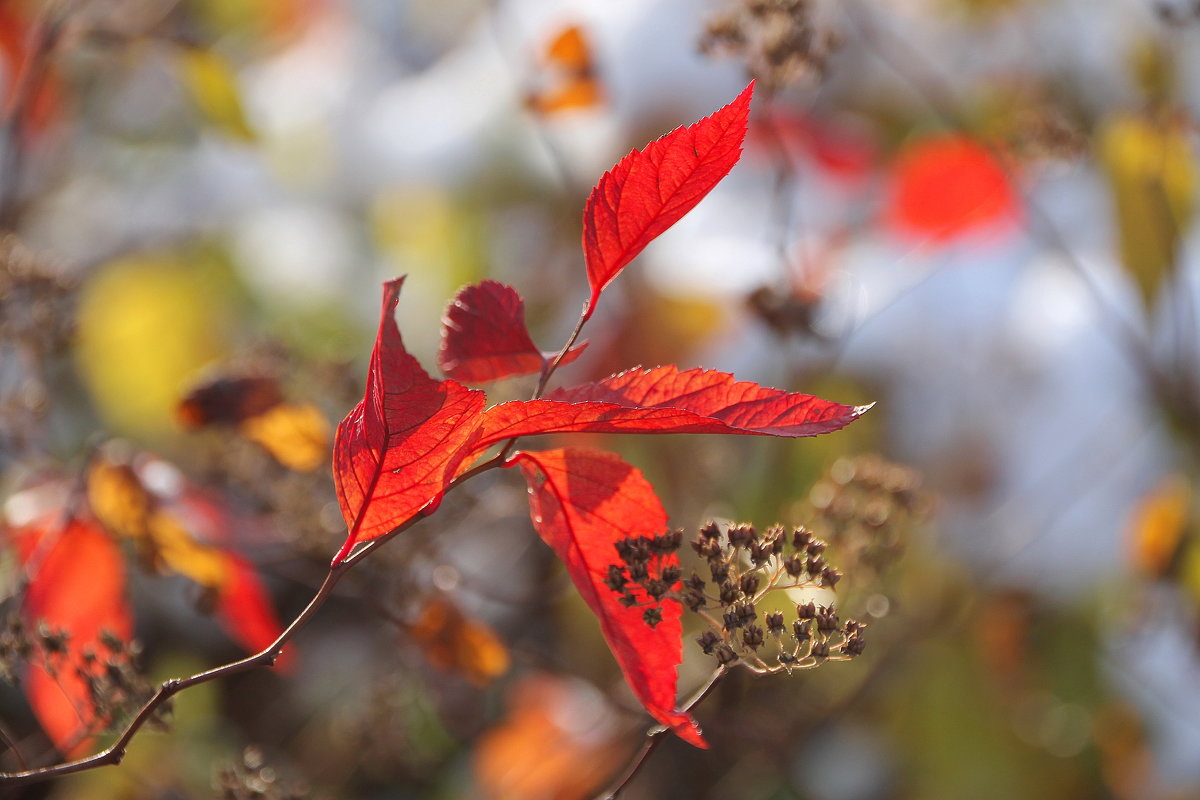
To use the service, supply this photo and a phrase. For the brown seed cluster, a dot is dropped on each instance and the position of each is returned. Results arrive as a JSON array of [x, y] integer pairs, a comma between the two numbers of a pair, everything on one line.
[[648, 573], [778, 39], [744, 566]]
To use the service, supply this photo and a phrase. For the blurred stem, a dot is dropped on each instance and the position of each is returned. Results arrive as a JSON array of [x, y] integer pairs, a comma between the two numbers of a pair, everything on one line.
[[655, 737]]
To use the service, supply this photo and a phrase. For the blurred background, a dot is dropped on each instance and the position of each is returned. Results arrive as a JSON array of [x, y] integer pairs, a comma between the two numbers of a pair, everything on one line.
[[977, 213]]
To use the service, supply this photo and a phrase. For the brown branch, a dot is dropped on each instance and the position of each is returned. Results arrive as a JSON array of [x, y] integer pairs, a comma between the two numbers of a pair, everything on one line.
[[655, 737]]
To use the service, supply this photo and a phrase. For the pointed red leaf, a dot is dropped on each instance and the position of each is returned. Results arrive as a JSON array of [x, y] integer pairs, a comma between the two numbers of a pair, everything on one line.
[[649, 190], [394, 452], [77, 587], [484, 337], [583, 502], [667, 400]]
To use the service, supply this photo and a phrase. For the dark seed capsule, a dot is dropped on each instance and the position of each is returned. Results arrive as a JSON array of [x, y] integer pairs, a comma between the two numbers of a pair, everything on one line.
[[710, 530], [830, 577], [820, 650], [670, 575], [801, 537], [746, 613], [802, 630], [749, 583], [695, 582], [725, 655], [752, 637], [708, 641], [719, 570], [806, 610], [794, 566], [729, 593], [775, 622], [616, 578], [652, 616]]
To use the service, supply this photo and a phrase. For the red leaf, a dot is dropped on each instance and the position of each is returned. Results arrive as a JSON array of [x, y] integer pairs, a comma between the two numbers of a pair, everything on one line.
[[945, 185], [666, 400], [245, 609], [395, 451], [649, 190], [78, 587], [484, 337], [583, 502]]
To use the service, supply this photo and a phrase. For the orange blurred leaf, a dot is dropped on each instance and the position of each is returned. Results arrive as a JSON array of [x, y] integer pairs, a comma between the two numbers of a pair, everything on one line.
[[1158, 525], [558, 742], [450, 640], [570, 80]]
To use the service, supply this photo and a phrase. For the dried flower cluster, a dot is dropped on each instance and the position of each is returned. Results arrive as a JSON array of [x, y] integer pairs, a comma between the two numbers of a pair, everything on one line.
[[864, 506], [115, 686], [778, 40], [651, 571], [744, 567]]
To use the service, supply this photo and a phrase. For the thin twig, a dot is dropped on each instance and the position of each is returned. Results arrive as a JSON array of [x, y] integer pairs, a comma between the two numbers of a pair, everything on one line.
[[655, 737], [11, 744]]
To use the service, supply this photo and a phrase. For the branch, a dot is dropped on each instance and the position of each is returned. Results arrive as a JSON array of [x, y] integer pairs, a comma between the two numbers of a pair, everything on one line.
[[655, 737]]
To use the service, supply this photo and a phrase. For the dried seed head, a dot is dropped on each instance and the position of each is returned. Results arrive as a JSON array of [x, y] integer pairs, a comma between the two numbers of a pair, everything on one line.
[[802, 630], [741, 535], [794, 566], [801, 536], [710, 531], [752, 637], [820, 650], [775, 622], [749, 583], [708, 642], [670, 575], [806, 610], [652, 616]]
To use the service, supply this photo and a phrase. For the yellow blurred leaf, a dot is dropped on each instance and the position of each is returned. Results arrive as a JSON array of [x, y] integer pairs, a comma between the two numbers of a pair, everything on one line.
[[124, 506], [146, 324], [297, 435], [1152, 174], [212, 83], [178, 552], [118, 499], [1158, 525], [450, 640]]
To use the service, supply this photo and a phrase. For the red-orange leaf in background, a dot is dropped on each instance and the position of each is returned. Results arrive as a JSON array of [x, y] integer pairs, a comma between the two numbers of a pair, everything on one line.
[[947, 185], [245, 610], [484, 337], [667, 400], [582, 502], [649, 190], [395, 451], [77, 587]]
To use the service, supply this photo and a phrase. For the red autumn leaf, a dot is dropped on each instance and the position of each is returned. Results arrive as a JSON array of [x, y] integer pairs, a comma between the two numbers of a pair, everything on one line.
[[649, 190], [667, 400], [946, 185], [484, 337], [395, 451], [245, 609], [77, 587], [582, 502]]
